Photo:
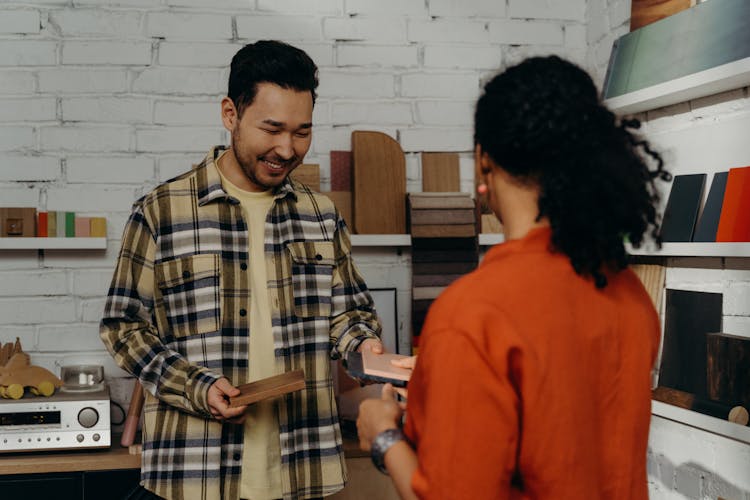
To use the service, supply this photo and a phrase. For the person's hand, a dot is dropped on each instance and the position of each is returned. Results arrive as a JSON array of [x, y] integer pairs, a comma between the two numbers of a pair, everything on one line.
[[218, 402], [378, 415], [374, 345], [408, 363]]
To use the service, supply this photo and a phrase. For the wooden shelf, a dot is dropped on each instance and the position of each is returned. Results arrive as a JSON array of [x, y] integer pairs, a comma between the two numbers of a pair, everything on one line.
[[701, 421], [694, 250], [404, 240], [53, 243], [113, 458], [721, 78]]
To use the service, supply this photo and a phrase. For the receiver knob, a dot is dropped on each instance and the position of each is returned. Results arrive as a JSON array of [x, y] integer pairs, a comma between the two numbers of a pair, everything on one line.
[[88, 417]]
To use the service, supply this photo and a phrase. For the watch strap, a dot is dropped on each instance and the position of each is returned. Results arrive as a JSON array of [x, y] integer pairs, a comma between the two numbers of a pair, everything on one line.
[[381, 444]]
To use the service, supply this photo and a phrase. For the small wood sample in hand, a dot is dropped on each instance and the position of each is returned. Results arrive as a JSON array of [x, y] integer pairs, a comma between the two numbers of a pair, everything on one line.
[[268, 388]]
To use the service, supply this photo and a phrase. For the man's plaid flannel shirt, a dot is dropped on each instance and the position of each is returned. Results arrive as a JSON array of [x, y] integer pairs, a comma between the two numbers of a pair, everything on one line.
[[176, 317]]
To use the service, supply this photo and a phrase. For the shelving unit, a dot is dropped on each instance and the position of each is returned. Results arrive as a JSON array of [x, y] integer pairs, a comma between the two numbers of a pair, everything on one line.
[[53, 243], [711, 81], [694, 250], [701, 421]]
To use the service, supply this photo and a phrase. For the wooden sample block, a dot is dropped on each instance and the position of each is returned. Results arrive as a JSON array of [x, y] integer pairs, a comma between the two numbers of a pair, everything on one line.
[[419, 280], [427, 292], [490, 224], [708, 224], [425, 201], [17, 222], [82, 227], [441, 231], [52, 224], [440, 172], [341, 171], [70, 224], [682, 207], [42, 225], [442, 267], [689, 317], [343, 202], [457, 216], [734, 221], [728, 368], [380, 365], [653, 277], [379, 176], [98, 227], [269, 388], [309, 175], [60, 224]]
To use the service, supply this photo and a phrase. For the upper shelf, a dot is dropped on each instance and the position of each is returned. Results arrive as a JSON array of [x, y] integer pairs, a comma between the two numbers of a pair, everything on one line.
[[721, 78], [404, 240], [695, 250], [701, 421], [53, 243]]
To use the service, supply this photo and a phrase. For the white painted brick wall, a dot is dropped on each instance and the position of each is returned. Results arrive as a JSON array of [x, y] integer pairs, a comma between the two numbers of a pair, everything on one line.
[[29, 168], [109, 170], [195, 54], [378, 28], [20, 22], [31, 109], [378, 56], [106, 53], [467, 8], [178, 25], [28, 53], [107, 109]]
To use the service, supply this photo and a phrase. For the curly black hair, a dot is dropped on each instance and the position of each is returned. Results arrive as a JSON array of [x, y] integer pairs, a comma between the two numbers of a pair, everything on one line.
[[269, 61], [542, 122]]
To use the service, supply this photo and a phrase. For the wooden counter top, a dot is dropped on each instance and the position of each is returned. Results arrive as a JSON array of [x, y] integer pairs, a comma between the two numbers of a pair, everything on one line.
[[114, 458]]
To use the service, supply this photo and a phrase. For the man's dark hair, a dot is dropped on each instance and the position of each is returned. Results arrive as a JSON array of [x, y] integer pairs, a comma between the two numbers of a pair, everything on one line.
[[269, 61], [542, 122]]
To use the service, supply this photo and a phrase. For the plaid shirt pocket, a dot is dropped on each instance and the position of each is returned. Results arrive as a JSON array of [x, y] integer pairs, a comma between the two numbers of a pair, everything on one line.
[[312, 277], [190, 291]]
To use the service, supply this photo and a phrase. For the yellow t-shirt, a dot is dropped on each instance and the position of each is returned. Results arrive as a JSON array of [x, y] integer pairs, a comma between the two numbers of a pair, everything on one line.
[[261, 457]]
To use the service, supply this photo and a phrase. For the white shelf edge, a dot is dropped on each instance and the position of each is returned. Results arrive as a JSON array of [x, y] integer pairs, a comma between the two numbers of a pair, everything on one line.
[[733, 75], [404, 240], [701, 421], [694, 250], [381, 240], [52, 243]]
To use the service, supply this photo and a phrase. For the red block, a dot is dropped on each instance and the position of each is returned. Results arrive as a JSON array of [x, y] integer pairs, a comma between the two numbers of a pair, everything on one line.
[[42, 225], [734, 221], [341, 170]]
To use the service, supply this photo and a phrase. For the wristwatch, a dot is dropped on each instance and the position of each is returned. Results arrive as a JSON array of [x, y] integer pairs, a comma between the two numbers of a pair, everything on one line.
[[381, 444]]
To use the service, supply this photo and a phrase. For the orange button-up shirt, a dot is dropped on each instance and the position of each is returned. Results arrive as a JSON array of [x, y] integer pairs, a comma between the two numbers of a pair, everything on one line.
[[533, 383]]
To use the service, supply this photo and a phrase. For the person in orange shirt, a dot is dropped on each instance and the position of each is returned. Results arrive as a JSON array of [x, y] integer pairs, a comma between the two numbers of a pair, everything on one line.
[[534, 373]]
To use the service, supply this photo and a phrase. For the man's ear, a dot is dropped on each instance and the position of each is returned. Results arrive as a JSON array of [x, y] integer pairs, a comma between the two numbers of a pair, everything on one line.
[[229, 115]]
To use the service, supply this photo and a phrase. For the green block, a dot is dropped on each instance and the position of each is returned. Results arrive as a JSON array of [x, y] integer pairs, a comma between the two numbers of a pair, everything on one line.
[[70, 224]]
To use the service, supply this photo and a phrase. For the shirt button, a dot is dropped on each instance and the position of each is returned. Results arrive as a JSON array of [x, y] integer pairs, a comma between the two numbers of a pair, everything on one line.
[[243, 312], [243, 266], [318, 257], [186, 274], [237, 457]]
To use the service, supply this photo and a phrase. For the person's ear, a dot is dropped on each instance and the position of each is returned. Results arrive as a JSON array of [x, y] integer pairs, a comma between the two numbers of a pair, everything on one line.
[[229, 115]]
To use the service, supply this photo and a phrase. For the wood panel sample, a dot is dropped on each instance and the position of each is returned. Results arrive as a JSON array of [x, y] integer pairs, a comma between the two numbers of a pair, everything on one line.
[[645, 12], [708, 224], [269, 388], [683, 203], [734, 221], [442, 267], [490, 224], [440, 172], [457, 216], [419, 280], [343, 202], [440, 201], [728, 368], [690, 316], [341, 171], [17, 222], [653, 277], [308, 174], [379, 177], [444, 231]]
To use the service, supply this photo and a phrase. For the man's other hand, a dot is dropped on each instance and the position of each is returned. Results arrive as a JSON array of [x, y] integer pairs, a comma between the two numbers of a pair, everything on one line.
[[218, 402]]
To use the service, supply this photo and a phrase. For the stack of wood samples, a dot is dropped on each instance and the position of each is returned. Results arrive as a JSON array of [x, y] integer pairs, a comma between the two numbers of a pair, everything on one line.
[[444, 247]]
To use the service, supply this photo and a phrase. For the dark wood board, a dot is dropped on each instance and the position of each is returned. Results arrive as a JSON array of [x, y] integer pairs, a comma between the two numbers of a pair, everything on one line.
[[269, 388]]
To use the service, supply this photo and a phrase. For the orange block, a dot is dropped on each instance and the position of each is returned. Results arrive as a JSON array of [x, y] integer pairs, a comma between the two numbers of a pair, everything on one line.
[[734, 221]]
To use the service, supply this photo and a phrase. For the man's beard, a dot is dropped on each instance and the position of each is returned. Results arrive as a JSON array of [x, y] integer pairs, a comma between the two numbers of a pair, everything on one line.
[[249, 166]]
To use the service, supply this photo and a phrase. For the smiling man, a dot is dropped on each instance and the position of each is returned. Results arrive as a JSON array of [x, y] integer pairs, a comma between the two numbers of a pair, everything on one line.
[[230, 273]]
